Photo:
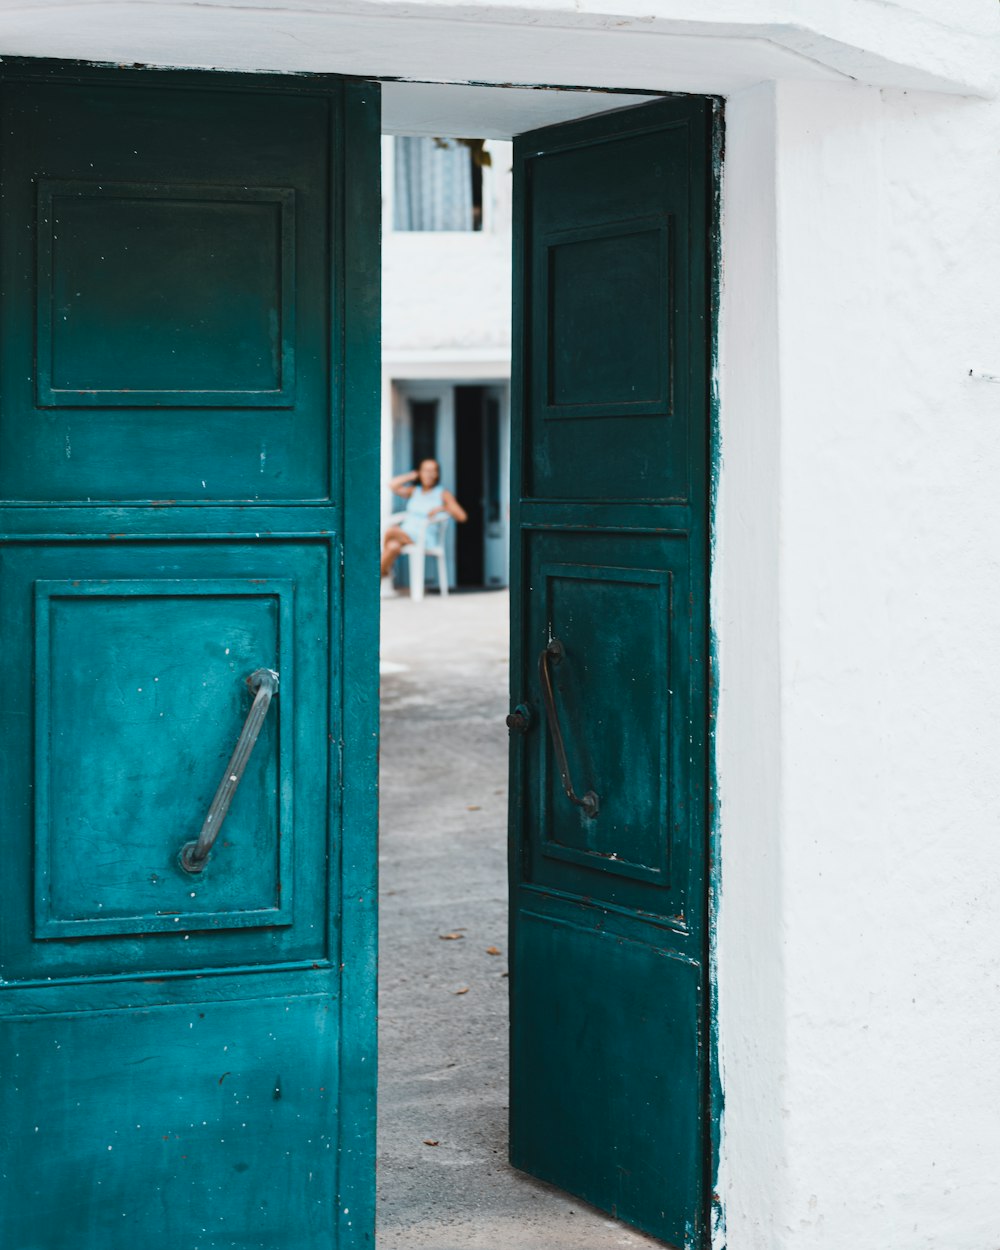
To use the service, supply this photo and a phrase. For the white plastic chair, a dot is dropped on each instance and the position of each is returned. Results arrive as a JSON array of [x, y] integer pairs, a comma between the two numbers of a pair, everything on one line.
[[418, 551]]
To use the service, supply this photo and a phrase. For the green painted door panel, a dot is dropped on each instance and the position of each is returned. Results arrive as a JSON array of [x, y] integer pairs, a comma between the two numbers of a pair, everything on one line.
[[609, 1031], [189, 324], [611, 275], [221, 1130], [619, 605], [136, 669], [629, 1132], [173, 250]]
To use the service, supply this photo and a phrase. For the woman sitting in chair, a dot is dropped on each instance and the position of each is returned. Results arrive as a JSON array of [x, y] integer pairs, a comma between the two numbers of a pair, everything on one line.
[[425, 499]]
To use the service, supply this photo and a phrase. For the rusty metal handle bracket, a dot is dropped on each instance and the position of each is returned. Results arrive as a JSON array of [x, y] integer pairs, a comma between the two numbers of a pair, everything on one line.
[[554, 654], [194, 855]]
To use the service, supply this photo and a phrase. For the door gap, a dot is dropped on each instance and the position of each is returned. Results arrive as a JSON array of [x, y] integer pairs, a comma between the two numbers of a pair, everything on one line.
[[444, 1180]]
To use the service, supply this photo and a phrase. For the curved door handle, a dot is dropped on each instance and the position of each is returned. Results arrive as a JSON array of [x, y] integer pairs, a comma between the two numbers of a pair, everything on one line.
[[553, 654], [194, 855]]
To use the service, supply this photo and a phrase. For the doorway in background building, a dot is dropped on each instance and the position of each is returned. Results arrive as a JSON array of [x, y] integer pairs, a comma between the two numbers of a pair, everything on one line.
[[465, 426], [482, 469]]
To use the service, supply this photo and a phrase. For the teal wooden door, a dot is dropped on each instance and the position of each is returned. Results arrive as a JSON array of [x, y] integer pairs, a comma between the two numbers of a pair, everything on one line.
[[609, 615], [188, 470]]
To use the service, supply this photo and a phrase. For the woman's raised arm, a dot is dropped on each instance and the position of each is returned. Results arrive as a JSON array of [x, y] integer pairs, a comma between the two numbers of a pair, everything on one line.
[[403, 484]]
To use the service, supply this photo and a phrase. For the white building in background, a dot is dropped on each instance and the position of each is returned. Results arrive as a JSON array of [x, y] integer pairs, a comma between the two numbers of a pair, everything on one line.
[[446, 305]]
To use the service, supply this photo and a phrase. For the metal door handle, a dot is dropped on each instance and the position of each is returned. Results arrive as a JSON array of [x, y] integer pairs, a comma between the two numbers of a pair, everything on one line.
[[194, 855], [553, 654]]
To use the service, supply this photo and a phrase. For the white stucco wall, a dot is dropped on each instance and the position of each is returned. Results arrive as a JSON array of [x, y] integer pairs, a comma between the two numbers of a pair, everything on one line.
[[857, 603]]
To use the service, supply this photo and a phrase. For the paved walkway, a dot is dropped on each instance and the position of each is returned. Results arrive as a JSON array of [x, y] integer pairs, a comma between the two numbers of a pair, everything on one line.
[[443, 995]]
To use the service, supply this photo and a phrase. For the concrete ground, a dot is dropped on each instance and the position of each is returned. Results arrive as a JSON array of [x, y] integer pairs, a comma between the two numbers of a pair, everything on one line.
[[443, 1180]]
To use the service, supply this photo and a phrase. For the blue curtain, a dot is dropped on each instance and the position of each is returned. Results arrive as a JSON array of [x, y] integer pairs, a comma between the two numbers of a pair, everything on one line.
[[433, 185]]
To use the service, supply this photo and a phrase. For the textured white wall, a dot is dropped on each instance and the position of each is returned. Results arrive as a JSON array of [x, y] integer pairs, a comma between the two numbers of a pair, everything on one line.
[[979, 16], [858, 958]]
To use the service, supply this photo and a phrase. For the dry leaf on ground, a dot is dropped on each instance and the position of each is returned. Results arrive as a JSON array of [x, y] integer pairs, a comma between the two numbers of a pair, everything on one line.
[[462, 990], [493, 950], [451, 937]]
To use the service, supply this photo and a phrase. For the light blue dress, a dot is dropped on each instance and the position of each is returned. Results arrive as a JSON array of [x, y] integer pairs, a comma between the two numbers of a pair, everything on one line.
[[418, 507]]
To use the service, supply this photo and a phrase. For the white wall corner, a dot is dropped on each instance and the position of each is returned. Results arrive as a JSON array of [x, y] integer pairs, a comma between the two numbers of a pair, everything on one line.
[[749, 944]]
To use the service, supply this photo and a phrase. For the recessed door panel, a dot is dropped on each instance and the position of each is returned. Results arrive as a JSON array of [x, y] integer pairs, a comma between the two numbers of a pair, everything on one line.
[[611, 316], [599, 363], [154, 295], [608, 618], [136, 678], [619, 606], [167, 258], [159, 671]]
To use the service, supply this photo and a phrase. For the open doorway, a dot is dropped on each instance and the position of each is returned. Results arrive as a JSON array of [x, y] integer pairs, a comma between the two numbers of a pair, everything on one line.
[[444, 1177]]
